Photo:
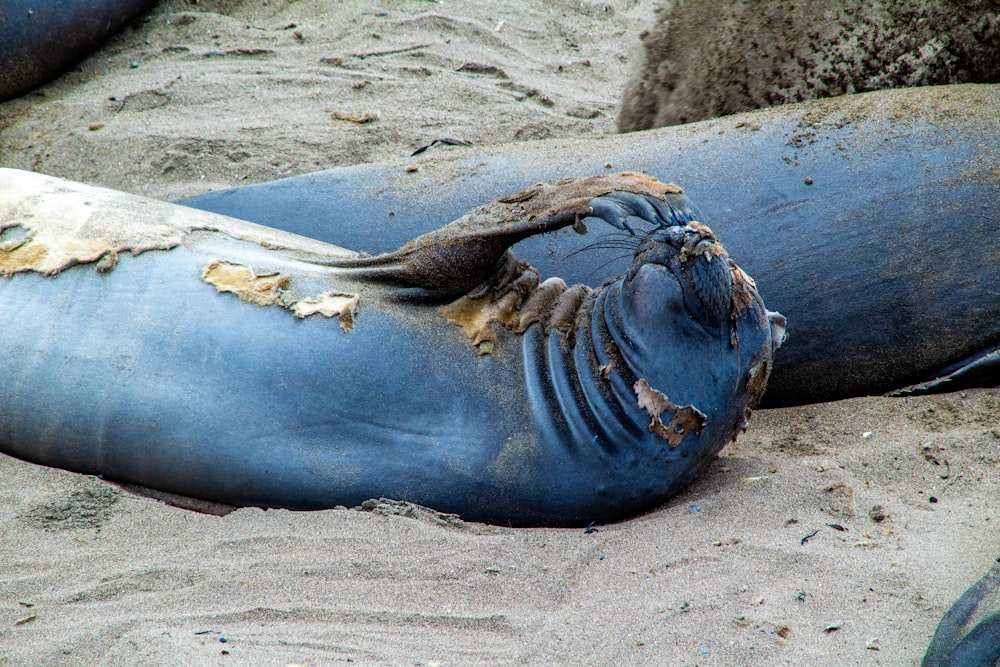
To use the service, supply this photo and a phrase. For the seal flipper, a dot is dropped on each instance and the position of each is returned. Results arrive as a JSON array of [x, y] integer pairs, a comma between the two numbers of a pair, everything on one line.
[[980, 647], [623, 209], [464, 252], [980, 370]]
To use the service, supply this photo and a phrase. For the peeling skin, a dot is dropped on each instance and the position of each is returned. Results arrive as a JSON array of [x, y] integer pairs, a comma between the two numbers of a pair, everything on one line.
[[757, 378], [107, 263], [240, 280], [63, 224], [476, 317], [755, 386], [614, 359], [12, 236], [684, 419], [744, 288], [574, 194], [563, 313], [271, 289], [329, 304], [708, 246], [515, 300], [500, 303], [540, 302]]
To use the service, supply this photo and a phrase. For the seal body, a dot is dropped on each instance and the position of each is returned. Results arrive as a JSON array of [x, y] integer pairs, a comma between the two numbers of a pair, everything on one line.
[[207, 357], [40, 40], [969, 633], [870, 221]]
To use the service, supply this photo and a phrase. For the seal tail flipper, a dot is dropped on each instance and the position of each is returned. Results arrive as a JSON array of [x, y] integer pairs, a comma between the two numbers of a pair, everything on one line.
[[980, 370], [464, 252], [981, 646]]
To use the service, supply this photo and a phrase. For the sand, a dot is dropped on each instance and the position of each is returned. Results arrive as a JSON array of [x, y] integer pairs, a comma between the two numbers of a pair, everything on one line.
[[901, 497]]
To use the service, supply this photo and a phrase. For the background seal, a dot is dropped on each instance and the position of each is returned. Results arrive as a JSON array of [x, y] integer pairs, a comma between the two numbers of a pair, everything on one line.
[[40, 40], [870, 221]]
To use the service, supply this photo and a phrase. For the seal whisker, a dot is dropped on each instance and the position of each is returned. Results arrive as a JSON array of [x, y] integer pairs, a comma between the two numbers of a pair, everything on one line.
[[603, 265], [628, 242]]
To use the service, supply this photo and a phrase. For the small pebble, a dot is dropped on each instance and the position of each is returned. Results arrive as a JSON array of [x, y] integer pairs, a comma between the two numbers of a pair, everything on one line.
[[809, 180]]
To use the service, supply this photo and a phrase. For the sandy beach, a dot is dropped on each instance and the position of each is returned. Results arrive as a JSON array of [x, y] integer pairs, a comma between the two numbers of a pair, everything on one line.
[[837, 533]]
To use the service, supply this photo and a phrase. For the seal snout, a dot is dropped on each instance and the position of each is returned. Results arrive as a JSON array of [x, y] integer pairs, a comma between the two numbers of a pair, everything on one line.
[[692, 240], [696, 240], [698, 264]]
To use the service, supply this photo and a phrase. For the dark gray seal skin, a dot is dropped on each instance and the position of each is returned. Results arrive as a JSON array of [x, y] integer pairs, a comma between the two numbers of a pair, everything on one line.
[[969, 633], [40, 40], [870, 221], [207, 357]]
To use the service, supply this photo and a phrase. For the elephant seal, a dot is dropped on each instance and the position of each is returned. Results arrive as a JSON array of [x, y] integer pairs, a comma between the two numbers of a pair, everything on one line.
[[871, 221], [710, 58], [213, 358], [969, 633], [40, 40]]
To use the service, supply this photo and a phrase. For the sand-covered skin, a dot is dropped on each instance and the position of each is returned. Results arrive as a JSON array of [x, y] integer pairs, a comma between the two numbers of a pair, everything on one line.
[[93, 574], [709, 58]]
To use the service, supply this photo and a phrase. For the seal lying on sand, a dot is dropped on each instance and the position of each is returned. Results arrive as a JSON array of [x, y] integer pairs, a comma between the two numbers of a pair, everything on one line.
[[40, 40], [217, 359], [870, 221]]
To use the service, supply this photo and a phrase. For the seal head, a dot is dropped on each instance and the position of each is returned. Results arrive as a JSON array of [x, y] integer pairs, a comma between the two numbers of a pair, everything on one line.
[[688, 323]]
